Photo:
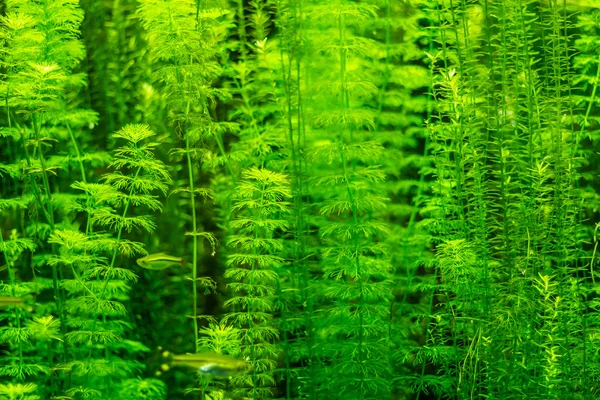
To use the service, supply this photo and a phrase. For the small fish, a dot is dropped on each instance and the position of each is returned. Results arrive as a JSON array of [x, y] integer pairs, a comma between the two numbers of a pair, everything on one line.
[[210, 364], [159, 261], [8, 301]]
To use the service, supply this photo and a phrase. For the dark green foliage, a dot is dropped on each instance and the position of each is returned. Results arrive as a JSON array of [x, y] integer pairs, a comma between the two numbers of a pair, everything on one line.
[[373, 199]]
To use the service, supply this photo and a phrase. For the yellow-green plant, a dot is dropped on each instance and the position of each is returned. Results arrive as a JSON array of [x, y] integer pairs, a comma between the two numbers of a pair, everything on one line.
[[181, 36], [404, 190], [261, 207], [504, 213]]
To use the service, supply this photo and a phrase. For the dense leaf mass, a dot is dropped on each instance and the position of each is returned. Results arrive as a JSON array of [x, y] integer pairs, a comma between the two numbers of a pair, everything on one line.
[[372, 199]]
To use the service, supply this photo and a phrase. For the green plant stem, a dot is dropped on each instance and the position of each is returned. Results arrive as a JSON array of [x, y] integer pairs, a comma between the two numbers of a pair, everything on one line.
[[36, 190], [588, 110], [346, 104], [59, 295], [387, 70], [242, 29], [297, 233], [194, 239], [49, 214], [240, 87], [17, 313], [88, 223], [427, 321], [250, 296], [112, 265], [221, 146], [191, 184], [299, 198]]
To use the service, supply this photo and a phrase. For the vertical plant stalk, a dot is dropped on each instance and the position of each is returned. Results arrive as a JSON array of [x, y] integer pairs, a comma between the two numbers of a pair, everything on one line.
[[112, 265], [17, 314], [58, 294], [346, 105], [49, 215], [588, 110], [242, 30], [251, 295], [190, 171], [387, 71], [299, 199], [297, 184], [194, 236]]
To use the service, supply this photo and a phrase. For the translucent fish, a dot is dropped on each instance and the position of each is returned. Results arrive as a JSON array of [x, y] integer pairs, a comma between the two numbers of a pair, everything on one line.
[[159, 261], [209, 364], [8, 301]]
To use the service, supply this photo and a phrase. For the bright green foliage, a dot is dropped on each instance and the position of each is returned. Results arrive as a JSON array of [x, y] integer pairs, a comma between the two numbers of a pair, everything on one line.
[[355, 290], [509, 319], [41, 117], [20, 333], [377, 199], [254, 85], [181, 37], [261, 208], [99, 284]]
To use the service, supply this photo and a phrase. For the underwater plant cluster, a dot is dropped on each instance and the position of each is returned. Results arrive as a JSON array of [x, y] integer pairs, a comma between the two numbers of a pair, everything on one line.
[[299, 199]]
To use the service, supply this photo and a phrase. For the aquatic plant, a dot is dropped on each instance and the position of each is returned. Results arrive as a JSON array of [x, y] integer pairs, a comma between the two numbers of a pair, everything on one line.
[[363, 199]]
